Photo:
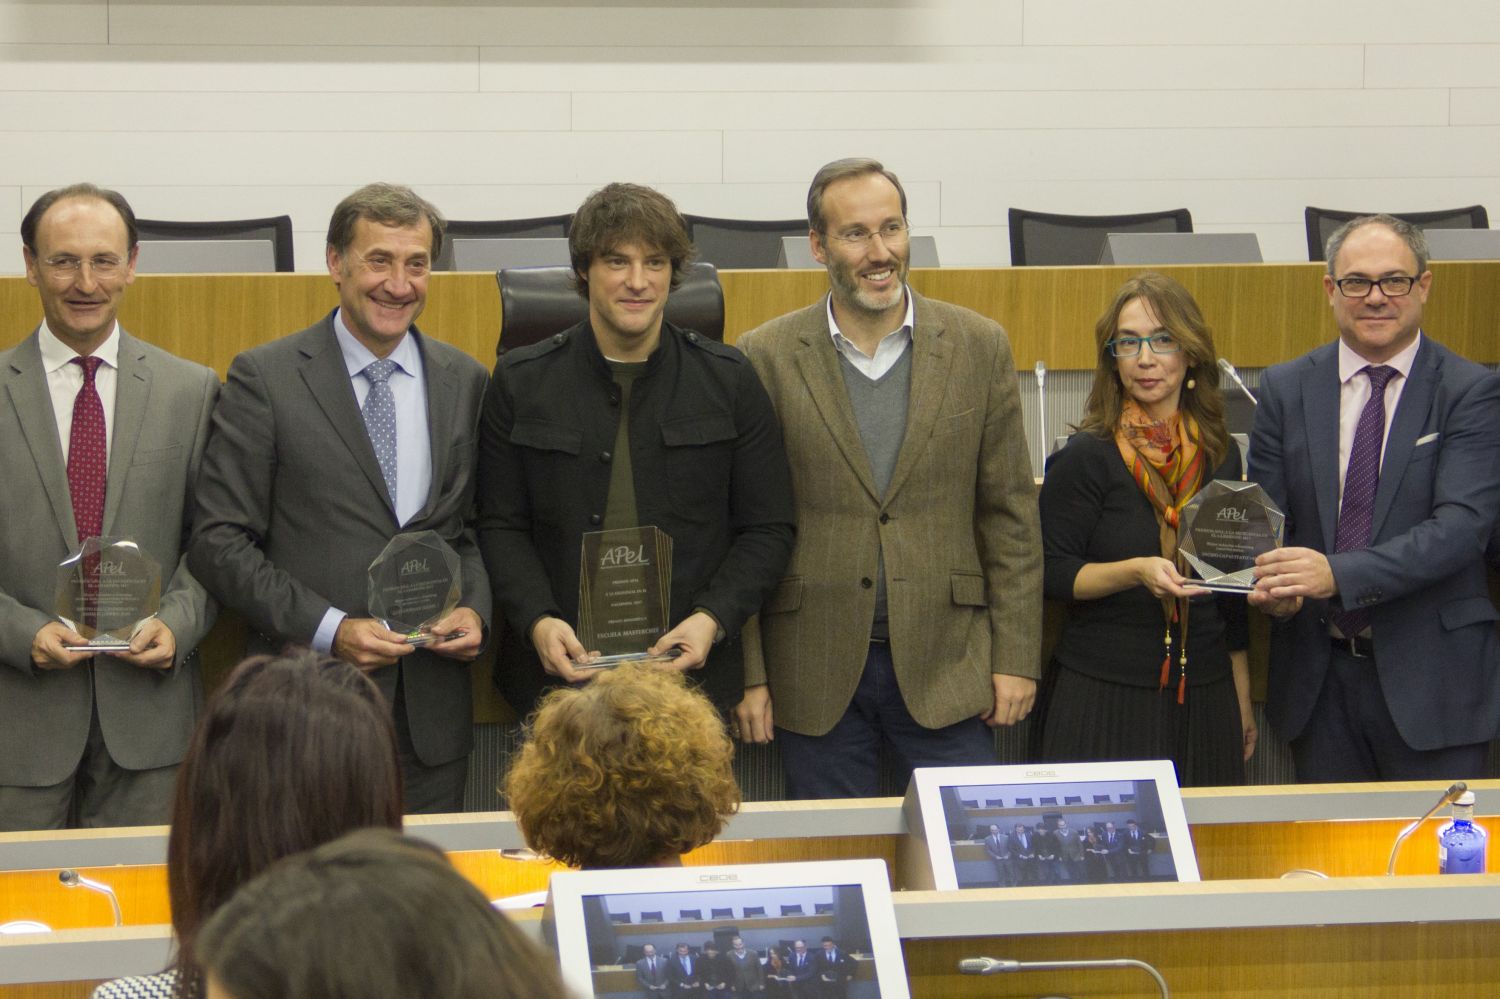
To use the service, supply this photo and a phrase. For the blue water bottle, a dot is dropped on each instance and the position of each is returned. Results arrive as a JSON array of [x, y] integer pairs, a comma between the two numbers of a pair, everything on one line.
[[1461, 844]]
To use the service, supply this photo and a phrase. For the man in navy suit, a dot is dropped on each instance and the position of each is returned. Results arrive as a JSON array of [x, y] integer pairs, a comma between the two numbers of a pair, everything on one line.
[[1383, 450]]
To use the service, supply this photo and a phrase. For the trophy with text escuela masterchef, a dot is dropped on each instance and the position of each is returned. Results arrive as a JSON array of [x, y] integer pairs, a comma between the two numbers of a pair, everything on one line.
[[415, 583], [1223, 529], [106, 592], [624, 594]]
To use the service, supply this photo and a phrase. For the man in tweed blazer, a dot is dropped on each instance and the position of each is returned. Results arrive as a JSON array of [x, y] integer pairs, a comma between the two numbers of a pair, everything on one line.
[[910, 614]]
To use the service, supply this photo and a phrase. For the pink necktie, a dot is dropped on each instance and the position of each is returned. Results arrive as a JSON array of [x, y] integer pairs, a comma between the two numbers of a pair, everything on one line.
[[87, 462]]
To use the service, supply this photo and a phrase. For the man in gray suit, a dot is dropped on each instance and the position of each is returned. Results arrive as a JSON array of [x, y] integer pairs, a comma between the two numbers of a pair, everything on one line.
[[328, 443], [910, 614], [100, 435]]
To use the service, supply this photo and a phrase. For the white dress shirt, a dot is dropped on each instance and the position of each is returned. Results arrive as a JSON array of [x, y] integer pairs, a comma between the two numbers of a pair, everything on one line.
[[64, 379]]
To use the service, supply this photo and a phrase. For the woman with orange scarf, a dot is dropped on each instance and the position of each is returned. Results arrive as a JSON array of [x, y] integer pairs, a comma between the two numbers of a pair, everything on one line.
[[1147, 666]]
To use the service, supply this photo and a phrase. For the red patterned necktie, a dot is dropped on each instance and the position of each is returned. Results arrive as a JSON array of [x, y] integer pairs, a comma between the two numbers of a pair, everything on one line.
[[1357, 512], [87, 461]]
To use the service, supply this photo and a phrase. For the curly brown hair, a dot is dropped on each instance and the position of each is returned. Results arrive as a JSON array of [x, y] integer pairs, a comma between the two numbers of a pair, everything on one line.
[[631, 770]]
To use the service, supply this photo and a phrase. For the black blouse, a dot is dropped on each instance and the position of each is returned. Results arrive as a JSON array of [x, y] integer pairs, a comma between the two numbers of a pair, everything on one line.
[[1093, 511]]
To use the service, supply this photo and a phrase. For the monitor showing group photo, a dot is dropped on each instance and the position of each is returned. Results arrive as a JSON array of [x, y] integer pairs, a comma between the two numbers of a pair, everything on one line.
[[824, 928], [1032, 825]]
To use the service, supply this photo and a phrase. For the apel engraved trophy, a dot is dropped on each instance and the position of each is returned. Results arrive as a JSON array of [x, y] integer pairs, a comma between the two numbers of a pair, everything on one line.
[[1223, 529], [415, 583], [106, 592], [624, 594]]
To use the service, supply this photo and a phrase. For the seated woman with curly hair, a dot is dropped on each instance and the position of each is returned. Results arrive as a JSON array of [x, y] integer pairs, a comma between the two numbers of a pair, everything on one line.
[[630, 770]]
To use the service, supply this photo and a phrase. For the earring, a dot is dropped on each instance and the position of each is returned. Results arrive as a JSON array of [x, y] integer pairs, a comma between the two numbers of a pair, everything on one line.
[[1192, 383]]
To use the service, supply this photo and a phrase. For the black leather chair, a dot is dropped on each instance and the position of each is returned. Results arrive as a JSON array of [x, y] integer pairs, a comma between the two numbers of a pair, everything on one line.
[[740, 244], [538, 302], [1048, 240], [555, 226], [1321, 222], [651, 917], [689, 913], [791, 910], [276, 230]]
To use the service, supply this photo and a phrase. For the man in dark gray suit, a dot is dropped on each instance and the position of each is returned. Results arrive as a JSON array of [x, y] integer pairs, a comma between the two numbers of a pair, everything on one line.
[[100, 435], [1383, 449], [329, 442]]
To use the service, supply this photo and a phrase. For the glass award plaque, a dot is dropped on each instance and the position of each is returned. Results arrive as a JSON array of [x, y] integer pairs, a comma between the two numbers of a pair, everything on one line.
[[106, 592], [1224, 528], [624, 594], [415, 583]]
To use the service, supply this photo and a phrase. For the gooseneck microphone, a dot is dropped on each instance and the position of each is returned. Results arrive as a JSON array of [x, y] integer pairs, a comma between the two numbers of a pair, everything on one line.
[[1041, 410], [1449, 796], [995, 966], [72, 879], [1234, 376]]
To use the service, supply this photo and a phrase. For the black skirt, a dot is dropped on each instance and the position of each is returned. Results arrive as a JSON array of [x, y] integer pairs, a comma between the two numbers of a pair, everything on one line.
[[1084, 720]]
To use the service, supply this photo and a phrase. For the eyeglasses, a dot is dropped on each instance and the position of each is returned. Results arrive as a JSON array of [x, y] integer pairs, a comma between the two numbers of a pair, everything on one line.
[[891, 234], [103, 265], [1130, 346], [1391, 287]]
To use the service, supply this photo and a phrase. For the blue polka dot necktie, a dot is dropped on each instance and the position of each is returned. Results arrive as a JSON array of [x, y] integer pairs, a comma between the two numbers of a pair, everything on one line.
[[380, 420], [1357, 511]]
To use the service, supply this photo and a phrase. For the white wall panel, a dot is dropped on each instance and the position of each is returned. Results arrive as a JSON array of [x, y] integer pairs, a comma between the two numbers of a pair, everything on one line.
[[1128, 154], [1476, 106], [1458, 65], [509, 108], [35, 21], [286, 69], [12, 207], [1286, 22], [856, 70], [881, 110], [176, 111], [954, 22], [352, 159]]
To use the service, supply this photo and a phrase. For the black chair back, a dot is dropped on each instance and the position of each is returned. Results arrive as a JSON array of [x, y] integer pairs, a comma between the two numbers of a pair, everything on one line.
[[538, 302], [1321, 223], [544, 226], [276, 230], [1049, 240], [740, 244]]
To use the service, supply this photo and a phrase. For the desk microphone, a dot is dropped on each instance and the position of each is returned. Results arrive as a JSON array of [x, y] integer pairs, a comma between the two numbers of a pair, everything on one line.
[[72, 879], [1449, 796], [1234, 376], [1041, 408], [994, 966]]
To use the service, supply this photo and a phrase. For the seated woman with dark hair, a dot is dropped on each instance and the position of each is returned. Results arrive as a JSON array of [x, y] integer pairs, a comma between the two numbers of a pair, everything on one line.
[[292, 752], [631, 770], [373, 915]]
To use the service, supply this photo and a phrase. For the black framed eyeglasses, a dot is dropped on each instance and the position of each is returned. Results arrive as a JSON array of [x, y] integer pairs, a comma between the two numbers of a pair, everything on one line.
[[1130, 346], [1391, 287]]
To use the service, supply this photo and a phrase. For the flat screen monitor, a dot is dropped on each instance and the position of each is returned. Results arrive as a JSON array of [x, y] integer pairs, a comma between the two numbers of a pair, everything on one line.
[[1127, 825], [206, 256], [1463, 244], [773, 906], [1153, 248], [473, 253]]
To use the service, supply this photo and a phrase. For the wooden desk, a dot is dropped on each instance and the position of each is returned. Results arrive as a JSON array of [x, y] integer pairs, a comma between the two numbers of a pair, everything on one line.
[[1239, 932], [1260, 313]]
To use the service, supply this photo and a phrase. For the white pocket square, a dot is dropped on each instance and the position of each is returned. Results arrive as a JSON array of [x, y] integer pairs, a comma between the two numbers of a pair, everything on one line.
[[1426, 440]]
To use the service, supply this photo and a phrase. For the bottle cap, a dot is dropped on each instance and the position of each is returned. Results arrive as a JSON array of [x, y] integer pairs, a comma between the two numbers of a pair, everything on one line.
[[1467, 798]]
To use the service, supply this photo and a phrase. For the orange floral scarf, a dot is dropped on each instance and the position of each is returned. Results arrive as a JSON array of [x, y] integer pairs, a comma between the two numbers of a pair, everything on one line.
[[1166, 461]]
